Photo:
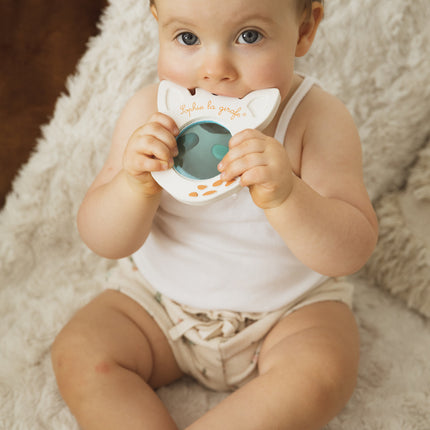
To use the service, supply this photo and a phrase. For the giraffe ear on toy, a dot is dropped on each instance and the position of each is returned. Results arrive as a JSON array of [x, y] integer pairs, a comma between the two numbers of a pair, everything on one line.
[[260, 104], [171, 96]]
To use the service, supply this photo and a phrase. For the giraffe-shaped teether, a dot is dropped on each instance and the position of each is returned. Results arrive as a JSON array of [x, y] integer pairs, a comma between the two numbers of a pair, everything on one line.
[[206, 123]]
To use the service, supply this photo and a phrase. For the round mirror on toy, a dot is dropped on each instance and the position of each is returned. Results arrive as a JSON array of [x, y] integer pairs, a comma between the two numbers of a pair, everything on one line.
[[206, 123]]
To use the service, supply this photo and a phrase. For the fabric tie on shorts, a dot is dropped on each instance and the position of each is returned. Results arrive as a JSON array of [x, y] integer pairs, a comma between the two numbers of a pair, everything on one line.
[[209, 324]]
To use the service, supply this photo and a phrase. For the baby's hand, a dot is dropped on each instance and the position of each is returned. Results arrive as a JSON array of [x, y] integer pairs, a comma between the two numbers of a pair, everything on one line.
[[262, 164], [151, 148]]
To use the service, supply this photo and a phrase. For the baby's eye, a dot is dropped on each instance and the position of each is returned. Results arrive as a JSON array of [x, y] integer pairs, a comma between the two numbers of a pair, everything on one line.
[[188, 39], [250, 36]]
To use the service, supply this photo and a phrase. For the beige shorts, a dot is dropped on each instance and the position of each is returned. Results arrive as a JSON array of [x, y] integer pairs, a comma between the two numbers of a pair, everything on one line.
[[218, 348]]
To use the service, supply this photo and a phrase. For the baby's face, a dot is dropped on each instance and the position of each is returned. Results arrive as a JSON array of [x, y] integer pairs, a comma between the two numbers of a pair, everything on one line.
[[228, 47]]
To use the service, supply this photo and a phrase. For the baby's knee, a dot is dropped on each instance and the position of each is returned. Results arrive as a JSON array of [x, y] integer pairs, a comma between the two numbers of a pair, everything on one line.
[[65, 355], [325, 375], [333, 377], [337, 379], [73, 361]]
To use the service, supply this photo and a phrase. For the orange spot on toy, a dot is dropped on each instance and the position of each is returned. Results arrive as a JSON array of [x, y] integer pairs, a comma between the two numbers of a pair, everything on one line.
[[217, 183], [193, 194], [208, 193]]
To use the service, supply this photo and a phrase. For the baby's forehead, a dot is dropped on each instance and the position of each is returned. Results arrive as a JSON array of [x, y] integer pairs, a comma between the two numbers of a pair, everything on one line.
[[253, 8]]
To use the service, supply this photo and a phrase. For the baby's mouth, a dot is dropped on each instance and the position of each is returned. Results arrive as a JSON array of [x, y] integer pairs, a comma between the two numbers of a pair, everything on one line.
[[193, 92]]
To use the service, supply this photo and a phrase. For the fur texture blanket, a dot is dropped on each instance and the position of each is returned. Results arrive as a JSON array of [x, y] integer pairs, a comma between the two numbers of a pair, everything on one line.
[[373, 55]]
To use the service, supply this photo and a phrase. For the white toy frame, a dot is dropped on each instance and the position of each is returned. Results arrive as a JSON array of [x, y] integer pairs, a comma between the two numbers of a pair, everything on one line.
[[255, 111]]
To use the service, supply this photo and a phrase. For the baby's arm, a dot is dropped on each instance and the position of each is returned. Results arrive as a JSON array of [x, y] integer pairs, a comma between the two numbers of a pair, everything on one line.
[[322, 211], [116, 214]]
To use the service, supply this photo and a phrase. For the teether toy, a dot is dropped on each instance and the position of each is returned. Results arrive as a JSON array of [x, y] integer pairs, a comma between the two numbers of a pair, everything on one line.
[[206, 123]]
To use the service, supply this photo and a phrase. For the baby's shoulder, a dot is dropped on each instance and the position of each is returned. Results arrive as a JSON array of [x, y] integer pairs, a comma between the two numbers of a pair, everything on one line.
[[143, 101], [139, 108], [324, 110], [329, 128]]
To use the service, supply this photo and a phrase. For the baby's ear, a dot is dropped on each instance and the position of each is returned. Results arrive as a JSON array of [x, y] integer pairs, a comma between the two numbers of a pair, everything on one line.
[[154, 11], [308, 28]]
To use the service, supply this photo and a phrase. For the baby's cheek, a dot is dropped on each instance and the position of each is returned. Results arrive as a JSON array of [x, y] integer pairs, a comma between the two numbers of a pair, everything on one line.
[[175, 70], [275, 73]]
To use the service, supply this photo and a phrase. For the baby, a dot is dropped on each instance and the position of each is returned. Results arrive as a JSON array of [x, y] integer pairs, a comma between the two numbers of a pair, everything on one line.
[[243, 294]]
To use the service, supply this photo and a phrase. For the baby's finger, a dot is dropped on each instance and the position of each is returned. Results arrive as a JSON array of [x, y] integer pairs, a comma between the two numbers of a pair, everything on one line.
[[247, 147], [168, 124], [242, 136], [146, 164], [254, 176], [166, 121], [147, 154], [154, 131], [154, 148], [240, 165]]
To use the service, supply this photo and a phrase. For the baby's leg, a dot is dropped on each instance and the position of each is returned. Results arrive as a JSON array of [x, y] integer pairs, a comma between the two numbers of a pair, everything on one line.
[[107, 360], [308, 369]]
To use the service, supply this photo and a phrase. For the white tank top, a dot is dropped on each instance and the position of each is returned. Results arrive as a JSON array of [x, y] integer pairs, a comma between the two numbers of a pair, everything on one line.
[[225, 255]]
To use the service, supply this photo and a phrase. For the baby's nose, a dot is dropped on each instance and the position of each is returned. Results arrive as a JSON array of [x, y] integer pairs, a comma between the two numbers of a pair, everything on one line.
[[218, 66]]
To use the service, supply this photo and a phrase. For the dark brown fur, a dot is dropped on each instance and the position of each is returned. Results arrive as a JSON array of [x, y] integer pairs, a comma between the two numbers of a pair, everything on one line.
[[40, 43]]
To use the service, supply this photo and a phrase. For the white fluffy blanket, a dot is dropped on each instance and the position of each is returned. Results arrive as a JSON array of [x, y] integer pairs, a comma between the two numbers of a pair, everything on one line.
[[371, 54]]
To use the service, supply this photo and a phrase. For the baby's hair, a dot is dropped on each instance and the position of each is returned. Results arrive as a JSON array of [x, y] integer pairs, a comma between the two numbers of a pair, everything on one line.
[[302, 4]]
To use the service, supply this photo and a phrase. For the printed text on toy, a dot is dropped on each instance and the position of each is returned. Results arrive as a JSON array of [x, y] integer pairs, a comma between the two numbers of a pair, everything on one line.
[[211, 106]]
